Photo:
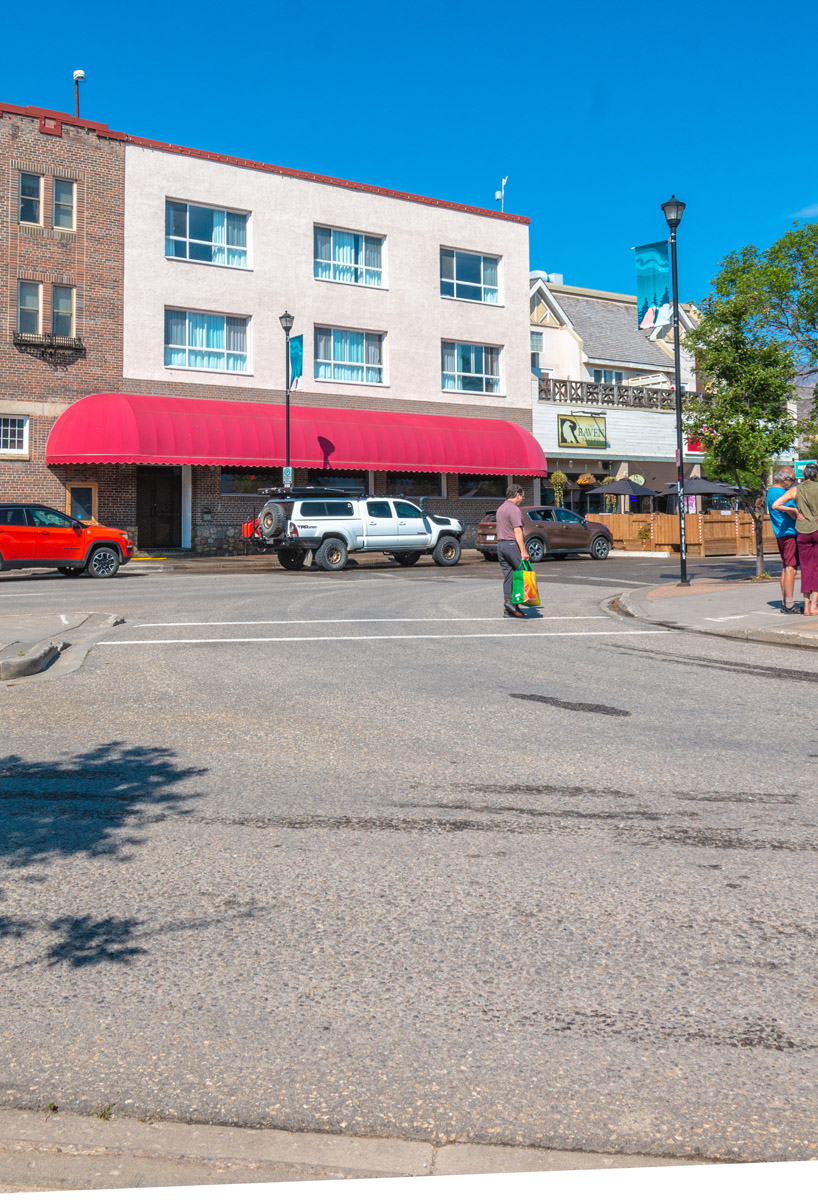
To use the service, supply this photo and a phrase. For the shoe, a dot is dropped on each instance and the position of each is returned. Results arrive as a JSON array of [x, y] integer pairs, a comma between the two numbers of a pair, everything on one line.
[[791, 610], [513, 610]]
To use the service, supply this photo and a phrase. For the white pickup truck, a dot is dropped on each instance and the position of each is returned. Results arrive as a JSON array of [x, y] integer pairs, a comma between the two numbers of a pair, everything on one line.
[[334, 524]]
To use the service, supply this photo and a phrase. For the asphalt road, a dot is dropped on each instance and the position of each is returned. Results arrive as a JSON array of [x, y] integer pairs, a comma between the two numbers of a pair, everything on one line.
[[352, 853]]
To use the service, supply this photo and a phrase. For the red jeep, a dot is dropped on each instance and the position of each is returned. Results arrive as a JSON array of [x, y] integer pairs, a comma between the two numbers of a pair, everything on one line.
[[34, 535]]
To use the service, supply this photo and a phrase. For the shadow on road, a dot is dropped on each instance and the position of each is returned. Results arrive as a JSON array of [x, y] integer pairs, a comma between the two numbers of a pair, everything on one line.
[[93, 805], [90, 803]]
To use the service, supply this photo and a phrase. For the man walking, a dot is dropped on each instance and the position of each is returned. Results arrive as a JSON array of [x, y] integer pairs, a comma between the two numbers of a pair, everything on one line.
[[510, 545], [786, 535]]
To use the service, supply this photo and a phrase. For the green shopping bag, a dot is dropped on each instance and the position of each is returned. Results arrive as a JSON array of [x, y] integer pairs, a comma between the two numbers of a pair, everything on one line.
[[518, 582]]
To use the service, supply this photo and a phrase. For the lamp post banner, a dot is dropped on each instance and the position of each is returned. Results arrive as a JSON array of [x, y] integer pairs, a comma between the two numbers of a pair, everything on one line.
[[652, 285], [296, 360]]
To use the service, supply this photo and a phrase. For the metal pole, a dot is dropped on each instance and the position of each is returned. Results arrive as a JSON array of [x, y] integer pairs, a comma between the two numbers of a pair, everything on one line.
[[287, 406], [77, 97], [680, 462]]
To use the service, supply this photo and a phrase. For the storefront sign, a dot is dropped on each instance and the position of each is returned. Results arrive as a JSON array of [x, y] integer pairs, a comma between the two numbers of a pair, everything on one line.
[[579, 430], [636, 478], [799, 467]]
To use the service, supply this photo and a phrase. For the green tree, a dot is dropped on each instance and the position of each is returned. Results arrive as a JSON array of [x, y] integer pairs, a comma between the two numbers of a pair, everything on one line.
[[744, 420], [778, 288]]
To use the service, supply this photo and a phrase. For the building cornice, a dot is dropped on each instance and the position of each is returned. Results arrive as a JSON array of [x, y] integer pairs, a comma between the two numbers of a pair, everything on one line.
[[57, 119]]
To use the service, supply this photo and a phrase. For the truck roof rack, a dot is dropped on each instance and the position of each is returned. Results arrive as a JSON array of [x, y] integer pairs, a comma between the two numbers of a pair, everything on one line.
[[310, 493]]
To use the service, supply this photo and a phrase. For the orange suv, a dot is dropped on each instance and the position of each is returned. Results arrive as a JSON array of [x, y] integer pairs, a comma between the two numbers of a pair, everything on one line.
[[34, 535]]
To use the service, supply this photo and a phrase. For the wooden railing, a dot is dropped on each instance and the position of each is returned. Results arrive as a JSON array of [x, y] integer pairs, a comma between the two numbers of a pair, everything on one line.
[[705, 533], [611, 395]]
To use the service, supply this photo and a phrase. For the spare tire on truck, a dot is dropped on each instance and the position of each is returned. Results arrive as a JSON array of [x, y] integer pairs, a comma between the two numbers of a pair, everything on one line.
[[272, 520]]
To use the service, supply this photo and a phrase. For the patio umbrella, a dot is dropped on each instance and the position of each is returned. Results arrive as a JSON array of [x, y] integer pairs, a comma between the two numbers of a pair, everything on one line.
[[622, 487], [701, 487]]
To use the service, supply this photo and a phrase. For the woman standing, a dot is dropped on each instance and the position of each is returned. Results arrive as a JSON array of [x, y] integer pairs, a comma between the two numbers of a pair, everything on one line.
[[805, 495]]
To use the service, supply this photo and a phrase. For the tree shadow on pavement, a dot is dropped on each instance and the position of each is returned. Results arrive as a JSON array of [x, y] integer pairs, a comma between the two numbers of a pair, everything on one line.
[[89, 803], [93, 805]]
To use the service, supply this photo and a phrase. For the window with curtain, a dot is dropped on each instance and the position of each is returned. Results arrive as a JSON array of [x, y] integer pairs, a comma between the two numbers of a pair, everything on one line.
[[348, 356], [211, 235], [28, 307], [62, 311], [30, 194], [348, 257], [63, 204], [205, 341], [470, 368], [466, 276]]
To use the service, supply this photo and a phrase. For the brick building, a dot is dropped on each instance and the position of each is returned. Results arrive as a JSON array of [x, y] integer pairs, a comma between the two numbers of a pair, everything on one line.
[[149, 274]]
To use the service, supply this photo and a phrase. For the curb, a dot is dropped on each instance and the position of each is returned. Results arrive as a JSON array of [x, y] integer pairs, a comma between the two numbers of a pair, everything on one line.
[[55, 1150], [20, 659], [628, 604], [15, 663]]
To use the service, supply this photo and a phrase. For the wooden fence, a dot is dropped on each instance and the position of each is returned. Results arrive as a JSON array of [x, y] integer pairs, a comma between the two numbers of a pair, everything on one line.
[[705, 533]]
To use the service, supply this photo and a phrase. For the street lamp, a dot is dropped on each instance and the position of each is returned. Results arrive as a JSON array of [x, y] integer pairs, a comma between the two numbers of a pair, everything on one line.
[[286, 324], [673, 210], [78, 78]]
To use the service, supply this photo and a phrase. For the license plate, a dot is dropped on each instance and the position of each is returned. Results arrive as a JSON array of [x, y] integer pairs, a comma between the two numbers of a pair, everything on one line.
[[489, 537]]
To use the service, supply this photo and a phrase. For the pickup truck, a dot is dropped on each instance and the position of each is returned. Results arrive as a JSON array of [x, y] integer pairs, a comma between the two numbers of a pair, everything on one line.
[[334, 524]]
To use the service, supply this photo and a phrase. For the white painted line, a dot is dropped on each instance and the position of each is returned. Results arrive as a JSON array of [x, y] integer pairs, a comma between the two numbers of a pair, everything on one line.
[[14, 595], [605, 579], [381, 637], [354, 621]]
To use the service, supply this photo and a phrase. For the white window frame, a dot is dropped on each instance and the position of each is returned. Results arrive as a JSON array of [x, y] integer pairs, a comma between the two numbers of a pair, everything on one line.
[[609, 371], [68, 228], [8, 451], [484, 287], [484, 346], [203, 262], [332, 329], [188, 312], [55, 287], [39, 287], [331, 262], [33, 175]]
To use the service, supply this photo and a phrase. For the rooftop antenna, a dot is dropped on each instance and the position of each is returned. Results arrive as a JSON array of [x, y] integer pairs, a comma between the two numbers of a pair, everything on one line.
[[78, 78], [501, 195]]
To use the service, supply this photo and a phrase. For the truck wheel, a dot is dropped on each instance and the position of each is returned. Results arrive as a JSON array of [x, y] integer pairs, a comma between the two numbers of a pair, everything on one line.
[[272, 519], [292, 559], [103, 563], [407, 558], [332, 555], [447, 552]]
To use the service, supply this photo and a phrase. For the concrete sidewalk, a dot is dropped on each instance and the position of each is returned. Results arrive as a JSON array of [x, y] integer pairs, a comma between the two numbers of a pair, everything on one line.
[[53, 1151], [749, 611]]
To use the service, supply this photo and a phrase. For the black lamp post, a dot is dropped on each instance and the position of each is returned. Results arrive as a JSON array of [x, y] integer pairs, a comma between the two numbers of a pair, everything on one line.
[[286, 324], [673, 210]]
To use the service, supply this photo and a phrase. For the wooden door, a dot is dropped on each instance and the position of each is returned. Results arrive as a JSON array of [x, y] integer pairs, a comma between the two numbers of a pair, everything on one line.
[[159, 507]]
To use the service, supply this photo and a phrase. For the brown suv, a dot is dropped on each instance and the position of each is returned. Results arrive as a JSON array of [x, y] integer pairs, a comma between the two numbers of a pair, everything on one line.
[[554, 531]]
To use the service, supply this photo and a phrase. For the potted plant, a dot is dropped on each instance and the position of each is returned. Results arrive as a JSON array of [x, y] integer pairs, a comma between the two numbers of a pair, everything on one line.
[[559, 482]]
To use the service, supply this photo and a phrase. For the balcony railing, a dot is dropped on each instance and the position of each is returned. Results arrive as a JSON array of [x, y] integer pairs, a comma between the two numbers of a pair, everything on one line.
[[605, 395], [51, 347]]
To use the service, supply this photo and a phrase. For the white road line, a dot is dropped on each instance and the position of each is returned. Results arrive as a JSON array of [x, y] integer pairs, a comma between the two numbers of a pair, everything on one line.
[[353, 621], [16, 594], [381, 637], [604, 579]]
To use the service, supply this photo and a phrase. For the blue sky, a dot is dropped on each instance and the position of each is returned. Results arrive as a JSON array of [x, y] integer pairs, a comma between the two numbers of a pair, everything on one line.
[[596, 112]]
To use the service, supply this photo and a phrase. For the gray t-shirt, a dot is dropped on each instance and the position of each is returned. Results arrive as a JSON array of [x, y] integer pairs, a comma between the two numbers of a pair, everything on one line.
[[508, 519]]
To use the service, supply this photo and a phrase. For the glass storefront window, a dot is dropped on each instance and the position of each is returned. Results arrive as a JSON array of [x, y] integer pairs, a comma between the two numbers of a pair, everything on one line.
[[416, 484], [249, 483], [473, 487]]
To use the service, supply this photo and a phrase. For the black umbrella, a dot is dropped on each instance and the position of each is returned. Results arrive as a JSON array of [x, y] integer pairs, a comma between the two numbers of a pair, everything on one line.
[[622, 487], [701, 487]]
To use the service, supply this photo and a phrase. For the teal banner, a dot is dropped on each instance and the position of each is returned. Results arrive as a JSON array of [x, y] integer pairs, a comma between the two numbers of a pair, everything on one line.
[[296, 358], [653, 285]]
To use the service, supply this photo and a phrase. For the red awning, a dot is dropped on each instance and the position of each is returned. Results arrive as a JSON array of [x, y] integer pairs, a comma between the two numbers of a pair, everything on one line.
[[115, 428]]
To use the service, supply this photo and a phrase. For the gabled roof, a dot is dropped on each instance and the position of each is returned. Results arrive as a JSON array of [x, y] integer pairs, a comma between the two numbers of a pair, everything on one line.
[[606, 323]]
